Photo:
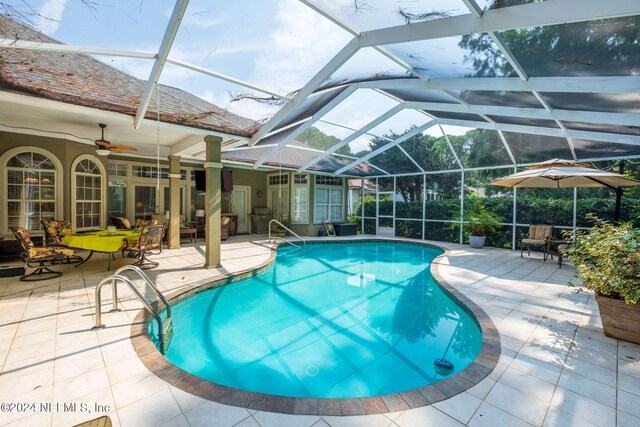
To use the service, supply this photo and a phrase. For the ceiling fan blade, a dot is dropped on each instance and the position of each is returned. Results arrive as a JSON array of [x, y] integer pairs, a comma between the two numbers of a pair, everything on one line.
[[122, 148], [104, 144]]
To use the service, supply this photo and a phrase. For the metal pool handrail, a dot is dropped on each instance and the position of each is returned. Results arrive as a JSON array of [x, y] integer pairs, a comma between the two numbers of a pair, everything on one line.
[[149, 282], [304, 242], [165, 329]]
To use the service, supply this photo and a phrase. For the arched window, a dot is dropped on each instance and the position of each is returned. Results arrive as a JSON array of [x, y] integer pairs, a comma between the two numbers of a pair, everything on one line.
[[88, 180], [32, 180]]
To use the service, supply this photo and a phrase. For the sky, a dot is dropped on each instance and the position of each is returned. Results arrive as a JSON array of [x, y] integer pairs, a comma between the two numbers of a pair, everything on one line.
[[274, 44]]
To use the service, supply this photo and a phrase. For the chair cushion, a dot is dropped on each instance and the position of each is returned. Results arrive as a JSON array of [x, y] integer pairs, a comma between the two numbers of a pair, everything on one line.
[[225, 220], [533, 241], [143, 223], [56, 229], [125, 222], [35, 253], [540, 232]]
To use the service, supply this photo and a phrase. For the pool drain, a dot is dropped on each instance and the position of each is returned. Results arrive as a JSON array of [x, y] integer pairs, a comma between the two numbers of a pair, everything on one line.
[[312, 370]]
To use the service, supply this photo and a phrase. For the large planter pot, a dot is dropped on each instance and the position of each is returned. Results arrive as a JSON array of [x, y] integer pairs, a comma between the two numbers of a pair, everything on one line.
[[619, 319], [476, 242]]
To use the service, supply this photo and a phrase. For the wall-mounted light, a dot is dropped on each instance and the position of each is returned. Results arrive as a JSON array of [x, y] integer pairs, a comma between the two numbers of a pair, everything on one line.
[[259, 193]]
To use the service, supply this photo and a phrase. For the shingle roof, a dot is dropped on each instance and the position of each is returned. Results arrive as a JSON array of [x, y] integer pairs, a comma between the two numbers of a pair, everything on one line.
[[83, 80], [293, 156]]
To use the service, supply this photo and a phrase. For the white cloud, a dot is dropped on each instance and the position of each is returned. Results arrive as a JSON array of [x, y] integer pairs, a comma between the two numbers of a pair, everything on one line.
[[300, 44], [49, 16]]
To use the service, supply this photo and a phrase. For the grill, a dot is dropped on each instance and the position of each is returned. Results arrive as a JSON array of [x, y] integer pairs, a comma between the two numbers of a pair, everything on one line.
[[260, 220]]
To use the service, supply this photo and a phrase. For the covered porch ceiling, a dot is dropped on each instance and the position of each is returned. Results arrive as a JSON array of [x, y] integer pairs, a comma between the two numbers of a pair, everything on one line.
[[558, 72]]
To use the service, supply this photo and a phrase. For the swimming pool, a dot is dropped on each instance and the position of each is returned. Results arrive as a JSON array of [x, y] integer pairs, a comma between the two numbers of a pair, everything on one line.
[[338, 320]]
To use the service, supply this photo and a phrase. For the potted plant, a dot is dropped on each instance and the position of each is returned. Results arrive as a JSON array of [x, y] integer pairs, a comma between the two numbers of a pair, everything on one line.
[[607, 260], [479, 222], [279, 231]]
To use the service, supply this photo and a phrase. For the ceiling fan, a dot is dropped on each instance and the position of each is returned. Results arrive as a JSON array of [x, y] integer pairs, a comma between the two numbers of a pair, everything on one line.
[[104, 147]]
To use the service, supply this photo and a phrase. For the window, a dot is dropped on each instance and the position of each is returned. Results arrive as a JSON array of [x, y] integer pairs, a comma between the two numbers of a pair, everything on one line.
[[300, 199], [117, 198], [149, 172], [328, 180], [31, 190], [117, 169], [87, 176], [278, 179], [329, 200], [145, 199], [278, 195]]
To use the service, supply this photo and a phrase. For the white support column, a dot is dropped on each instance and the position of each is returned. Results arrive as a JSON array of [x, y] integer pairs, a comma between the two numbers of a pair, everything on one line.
[[515, 218], [221, 76], [167, 41], [461, 205], [306, 125], [578, 134], [572, 148], [387, 146], [377, 205], [348, 28], [424, 203], [587, 84], [174, 203], [336, 62], [213, 202], [453, 152], [575, 210], [506, 147], [57, 47], [508, 18], [622, 119], [352, 137], [411, 158], [393, 206], [362, 205]]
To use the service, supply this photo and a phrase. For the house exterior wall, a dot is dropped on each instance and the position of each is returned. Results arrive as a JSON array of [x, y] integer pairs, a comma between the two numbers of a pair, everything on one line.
[[65, 151]]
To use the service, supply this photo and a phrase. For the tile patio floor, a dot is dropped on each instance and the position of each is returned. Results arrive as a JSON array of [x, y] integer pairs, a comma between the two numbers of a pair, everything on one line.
[[556, 367]]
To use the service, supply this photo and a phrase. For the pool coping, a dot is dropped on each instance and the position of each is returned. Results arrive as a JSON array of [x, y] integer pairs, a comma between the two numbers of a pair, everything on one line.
[[475, 372]]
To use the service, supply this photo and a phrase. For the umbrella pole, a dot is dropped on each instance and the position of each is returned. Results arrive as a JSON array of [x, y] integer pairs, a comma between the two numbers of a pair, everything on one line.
[[619, 191]]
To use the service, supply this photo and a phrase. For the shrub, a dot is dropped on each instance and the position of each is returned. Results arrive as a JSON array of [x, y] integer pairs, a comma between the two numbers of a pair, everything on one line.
[[608, 259]]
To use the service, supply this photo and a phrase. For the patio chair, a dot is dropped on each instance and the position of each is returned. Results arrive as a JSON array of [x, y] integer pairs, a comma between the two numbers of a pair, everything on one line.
[[39, 258], [121, 222], [539, 235], [54, 232], [149, 243]]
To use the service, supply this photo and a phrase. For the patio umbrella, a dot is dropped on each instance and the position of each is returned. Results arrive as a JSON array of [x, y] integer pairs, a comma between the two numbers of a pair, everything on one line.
[[558, 173]]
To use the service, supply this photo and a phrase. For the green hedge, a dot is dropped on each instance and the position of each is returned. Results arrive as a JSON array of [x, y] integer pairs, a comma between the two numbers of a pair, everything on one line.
[[531, 210]]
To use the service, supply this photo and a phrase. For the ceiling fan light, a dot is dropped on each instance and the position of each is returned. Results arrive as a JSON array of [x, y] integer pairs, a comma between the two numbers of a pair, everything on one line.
[[102, 152]]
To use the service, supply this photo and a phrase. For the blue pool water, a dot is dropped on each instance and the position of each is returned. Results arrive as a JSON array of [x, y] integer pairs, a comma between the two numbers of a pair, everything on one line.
[[331, 320]]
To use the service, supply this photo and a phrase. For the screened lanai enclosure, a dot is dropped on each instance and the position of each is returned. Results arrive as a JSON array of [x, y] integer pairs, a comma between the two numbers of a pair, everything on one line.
[[423, 101]]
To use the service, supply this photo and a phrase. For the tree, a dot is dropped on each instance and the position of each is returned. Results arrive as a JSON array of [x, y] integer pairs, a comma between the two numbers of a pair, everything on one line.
[[603, 47], [429, 152], [315, 138]]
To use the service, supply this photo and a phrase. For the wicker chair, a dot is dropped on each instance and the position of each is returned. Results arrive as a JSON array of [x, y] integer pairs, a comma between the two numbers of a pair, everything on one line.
[[224, 227], [39, 258], [54, 231], [539, 235], [149, 243]]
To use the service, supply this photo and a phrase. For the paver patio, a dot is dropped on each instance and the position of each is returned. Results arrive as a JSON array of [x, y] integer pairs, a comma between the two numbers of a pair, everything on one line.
[[556, 367]]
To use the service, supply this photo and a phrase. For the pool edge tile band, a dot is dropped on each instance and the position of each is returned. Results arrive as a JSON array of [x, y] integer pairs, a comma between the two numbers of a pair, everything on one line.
[[477, 370]]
